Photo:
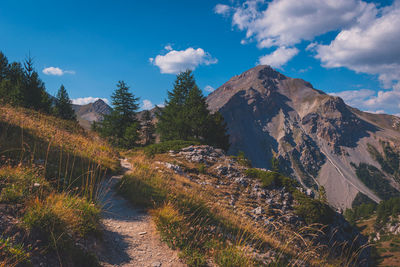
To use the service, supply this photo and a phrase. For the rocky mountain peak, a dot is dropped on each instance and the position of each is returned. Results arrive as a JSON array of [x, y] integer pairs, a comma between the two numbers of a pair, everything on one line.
[[314, 135]]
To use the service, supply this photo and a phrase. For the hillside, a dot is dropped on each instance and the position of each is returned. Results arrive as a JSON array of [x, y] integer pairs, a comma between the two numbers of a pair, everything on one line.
[[317, 137], [50, 171]]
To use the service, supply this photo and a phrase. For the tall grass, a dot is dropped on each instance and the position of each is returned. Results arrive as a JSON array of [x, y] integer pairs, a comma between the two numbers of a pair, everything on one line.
[[54, 168]]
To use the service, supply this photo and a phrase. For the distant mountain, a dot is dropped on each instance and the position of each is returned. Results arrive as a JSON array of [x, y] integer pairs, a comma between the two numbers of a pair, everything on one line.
[[91, 112], [317, 138]]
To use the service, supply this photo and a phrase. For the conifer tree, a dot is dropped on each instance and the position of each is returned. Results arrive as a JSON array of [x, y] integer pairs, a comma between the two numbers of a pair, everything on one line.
[[63, 106], [33, 92], [121, 127], [186, 116], [4, 67], [21, 85]]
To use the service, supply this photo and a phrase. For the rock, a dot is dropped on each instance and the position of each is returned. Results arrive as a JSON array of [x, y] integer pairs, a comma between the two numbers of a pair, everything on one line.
[[258, 211], [242, 181], [309, 192], [156, 264], [142, 233]]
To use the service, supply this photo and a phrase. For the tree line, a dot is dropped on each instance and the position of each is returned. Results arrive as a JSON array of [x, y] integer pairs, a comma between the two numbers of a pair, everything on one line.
[[184, 117], [20, 85]]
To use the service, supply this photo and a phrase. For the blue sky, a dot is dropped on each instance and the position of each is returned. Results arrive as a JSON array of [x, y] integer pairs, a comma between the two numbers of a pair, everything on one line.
[[347, 47]]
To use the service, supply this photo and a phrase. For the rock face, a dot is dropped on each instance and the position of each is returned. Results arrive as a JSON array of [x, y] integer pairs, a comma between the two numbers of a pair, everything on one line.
[[88, 113], [314, 135]]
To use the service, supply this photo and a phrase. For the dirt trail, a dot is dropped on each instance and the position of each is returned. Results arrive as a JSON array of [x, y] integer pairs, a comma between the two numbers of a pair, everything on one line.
[[130, 238]]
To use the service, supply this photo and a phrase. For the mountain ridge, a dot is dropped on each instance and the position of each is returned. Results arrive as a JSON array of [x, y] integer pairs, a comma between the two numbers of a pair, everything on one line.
[[88, 113], [316, 136]]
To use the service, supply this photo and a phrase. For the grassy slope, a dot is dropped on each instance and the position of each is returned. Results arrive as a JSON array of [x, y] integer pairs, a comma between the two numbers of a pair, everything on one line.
[[49, 171], [196, 220]]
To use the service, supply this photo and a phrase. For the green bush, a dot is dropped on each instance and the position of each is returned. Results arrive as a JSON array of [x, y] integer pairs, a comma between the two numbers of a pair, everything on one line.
[[312, 210], [166, 146], [270, 179]]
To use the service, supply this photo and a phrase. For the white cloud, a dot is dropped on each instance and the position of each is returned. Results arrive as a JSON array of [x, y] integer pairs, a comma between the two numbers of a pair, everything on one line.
[[279, 57], [371, 101], [222, 9], [379, 111], [162, 105], [355, 98], [209, 88], [177, 61], [371, 46], [87, 100], [56, 71], [288, 22], [168, 47], [147, 104]]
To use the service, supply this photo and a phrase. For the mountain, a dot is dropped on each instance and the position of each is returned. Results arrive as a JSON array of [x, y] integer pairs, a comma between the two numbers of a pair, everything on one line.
[[318, 139], [88, 113]]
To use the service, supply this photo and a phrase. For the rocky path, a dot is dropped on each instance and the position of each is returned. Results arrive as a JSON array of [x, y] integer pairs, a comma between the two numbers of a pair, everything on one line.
[[130, 238]]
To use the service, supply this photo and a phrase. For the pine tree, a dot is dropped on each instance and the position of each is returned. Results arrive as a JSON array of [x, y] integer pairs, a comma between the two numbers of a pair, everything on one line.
[[217, 132], [63, 106], [148, 128], [172, 123], [11, 82], [33, 92], [186, 116], [4, 67], [121, 127]]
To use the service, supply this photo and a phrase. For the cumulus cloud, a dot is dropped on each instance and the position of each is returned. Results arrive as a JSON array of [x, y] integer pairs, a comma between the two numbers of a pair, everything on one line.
[[168, 47], [56, 71], [147, 104], [222, 9], [355, 98], [87, 100], [209, 88], [279, 57], [371, 46], [371, 101], [177, 61], [288, 22]]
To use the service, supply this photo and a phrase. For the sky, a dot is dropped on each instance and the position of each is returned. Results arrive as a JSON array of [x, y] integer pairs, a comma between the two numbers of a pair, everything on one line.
[[348, 48]]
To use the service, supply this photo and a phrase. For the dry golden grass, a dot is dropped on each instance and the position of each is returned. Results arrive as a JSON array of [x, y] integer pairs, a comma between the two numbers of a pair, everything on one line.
[[64, 135]]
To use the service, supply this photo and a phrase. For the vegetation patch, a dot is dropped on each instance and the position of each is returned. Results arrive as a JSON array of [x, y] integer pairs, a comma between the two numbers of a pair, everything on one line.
[[374, 179], [12, 254], [272, 179], [389, 160], [362, 208], [312, 210], [19, 184]]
